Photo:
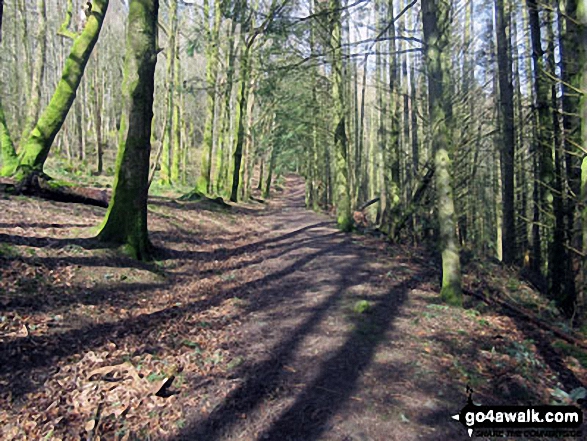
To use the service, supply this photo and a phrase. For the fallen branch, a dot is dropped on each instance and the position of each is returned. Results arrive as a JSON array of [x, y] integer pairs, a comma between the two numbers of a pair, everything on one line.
[[526, 316], [38, 184], [415, 201], [369, 203]]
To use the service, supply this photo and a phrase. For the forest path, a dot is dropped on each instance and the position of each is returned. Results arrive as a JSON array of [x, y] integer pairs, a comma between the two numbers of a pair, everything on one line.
[[275, 325], [318, 365]]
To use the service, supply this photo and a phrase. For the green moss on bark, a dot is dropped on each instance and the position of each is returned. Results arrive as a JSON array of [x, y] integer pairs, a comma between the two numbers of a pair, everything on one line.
[[126, 219], [39, 143], [342, 193], [7, 151], [435, 16]]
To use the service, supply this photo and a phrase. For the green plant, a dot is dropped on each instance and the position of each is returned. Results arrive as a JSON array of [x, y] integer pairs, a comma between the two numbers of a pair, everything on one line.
[[154, 376], [513, 285], [7, 250], [572, 351], [362, 306], [235, 362]]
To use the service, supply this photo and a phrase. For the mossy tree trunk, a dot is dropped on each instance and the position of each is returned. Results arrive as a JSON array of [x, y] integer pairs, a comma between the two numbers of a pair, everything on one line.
[[7, 151], [203, 184], [269, 179], [177, 114], [37, 147], [435, 21], [392, 154], [241, 117], [126, 219], [223, 141], [97, 101], [165, 173], [344, 218], [34, 101]]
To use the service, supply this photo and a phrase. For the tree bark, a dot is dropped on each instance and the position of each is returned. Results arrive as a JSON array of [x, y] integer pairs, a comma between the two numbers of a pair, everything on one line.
[[37, 147], [240, 118], [506, 107], [435, 20], [177, 113], [344, 217], [543, 141], [165, 172], [203, 184], [34, 101], [126, 219]]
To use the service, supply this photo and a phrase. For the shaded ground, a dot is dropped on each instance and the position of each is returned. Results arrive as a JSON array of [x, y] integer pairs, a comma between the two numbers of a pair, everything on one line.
[[272, 324]]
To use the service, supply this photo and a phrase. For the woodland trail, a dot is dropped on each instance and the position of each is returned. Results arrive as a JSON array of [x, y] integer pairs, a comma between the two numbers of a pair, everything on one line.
[[324, 369], [274, 324]]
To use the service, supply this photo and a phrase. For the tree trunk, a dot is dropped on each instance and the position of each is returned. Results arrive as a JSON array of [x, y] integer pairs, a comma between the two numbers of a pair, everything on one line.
[[240, 118], [165, 173], [562, 290], [392, 154], [37, 147], [97, 99], [582, 16], [269, 178], [435, 20], [506, 107], [34, 101], [177, 106], [203, 184], [126, 219], [7, 151], [342, 194], [543, 141], [223, 137]]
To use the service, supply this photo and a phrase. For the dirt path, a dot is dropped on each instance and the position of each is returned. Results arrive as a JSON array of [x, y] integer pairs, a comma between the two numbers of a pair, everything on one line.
[[273, 324], [321, 368]]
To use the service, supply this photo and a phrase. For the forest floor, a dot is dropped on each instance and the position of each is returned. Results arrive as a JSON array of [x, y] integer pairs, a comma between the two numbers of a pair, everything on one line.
[[260, 322]]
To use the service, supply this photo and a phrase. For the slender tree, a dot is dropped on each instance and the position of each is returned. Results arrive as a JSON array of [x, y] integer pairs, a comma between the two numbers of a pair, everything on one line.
[[203, 184], [34, 101], [506, 107], [165, 177]]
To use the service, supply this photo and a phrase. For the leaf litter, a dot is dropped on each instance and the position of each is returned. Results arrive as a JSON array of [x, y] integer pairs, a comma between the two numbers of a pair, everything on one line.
[[96, 346]]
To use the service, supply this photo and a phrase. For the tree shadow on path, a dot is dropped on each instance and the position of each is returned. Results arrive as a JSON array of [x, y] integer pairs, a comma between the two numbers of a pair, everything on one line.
[[307, 418]]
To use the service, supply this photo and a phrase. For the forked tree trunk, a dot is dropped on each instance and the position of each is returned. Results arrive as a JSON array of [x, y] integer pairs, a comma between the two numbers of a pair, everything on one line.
[[126, 219]]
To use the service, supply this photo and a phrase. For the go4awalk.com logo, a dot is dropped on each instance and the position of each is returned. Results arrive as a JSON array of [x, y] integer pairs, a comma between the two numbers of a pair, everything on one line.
[[521, 421]]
